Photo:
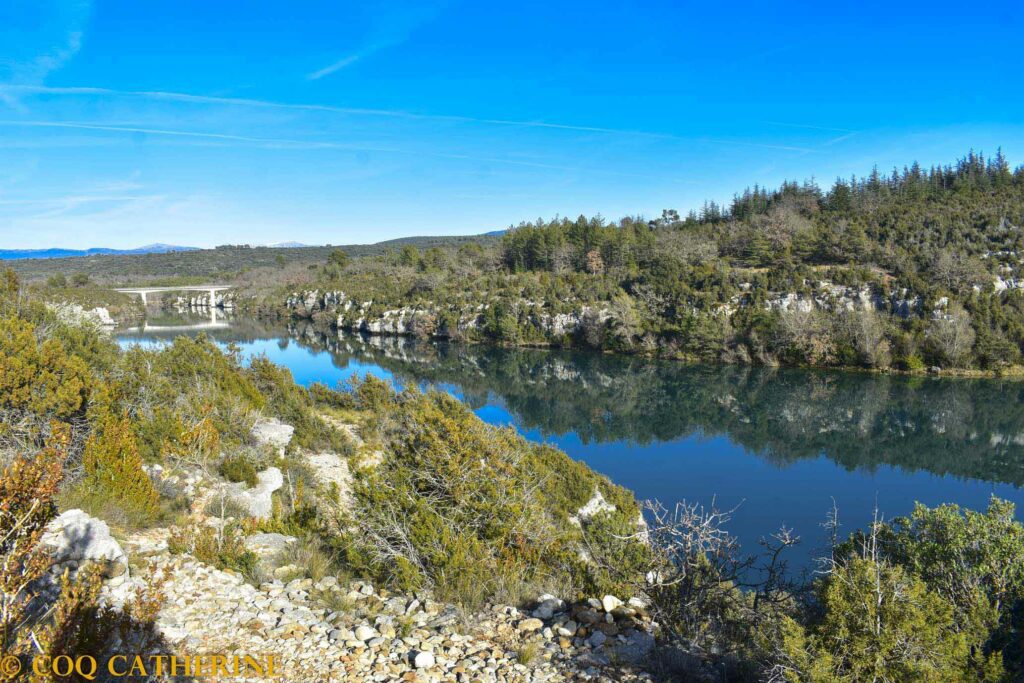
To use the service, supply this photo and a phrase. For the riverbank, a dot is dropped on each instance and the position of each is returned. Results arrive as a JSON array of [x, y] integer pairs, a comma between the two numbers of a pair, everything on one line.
[[328, 312]]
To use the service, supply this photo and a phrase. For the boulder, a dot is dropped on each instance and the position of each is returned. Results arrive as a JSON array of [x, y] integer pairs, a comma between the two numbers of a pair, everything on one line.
[[532, 624], [257, 501], [635, 647], [547, 608], [75, 538], [268, 546], [270, 431], [365, 633], [595, 506], [332, 471]]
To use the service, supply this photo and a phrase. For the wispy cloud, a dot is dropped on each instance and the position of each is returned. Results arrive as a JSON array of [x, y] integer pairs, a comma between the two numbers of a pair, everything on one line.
[[808, 126], [289, 143], [391, 25], [837, 140], [336, 66], [355, 111], [67, 200], [45, 47], [139, 129]]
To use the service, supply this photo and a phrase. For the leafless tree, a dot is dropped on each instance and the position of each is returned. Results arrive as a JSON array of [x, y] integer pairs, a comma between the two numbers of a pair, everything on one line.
[[868, 330], [686, 247], [957, 271], [952, 335], [704, 584], [808, 331]]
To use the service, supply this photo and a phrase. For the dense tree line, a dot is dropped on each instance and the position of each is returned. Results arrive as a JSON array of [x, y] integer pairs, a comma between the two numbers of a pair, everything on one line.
[[913, 269]]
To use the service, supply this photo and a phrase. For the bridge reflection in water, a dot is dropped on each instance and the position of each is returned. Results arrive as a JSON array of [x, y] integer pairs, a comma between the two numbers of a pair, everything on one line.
[[217, 321]]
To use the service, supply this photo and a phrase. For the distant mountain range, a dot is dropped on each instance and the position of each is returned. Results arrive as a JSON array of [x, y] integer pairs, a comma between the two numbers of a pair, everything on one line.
[[13, 254]]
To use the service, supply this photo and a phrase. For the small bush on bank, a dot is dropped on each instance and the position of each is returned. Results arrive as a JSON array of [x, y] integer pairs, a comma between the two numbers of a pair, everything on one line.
[[294, 405], [40, 378], [880, 622], [325, 396], [310, 555], [224, 549], [238, 468]]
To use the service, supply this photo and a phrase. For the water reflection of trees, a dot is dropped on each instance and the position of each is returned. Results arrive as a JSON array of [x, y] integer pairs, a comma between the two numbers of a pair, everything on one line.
[[966, 428]]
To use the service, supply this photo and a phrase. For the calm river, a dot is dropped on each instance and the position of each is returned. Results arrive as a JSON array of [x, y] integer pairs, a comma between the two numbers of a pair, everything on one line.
[[780, 446]]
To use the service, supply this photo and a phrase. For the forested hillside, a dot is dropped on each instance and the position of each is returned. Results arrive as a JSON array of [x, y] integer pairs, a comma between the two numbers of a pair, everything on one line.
[[912, 269]]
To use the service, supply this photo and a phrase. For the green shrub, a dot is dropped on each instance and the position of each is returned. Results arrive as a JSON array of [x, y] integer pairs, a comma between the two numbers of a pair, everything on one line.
[[372, 393], [311, 555], [294, 405], [472, 510], [113, 470], [974, 560], [223, 549], [325, 396], [879, 622], [40, 378], [238, 468]]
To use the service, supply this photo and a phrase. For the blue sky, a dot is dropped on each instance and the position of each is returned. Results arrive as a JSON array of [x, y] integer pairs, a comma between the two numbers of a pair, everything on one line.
[[204, 123]]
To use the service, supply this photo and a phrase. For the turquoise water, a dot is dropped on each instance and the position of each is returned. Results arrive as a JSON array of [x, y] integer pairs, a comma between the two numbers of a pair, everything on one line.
[[779, 446]]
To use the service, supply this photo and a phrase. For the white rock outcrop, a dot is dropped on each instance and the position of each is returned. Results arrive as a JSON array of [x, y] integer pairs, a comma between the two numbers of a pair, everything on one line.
[[595, 506], [73, 314], [75, 539], [269, 431], [269, 546], [257, 501], [332, 471]]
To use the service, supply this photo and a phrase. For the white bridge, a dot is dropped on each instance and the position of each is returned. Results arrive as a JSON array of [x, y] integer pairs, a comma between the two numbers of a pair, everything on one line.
[[144, 291]]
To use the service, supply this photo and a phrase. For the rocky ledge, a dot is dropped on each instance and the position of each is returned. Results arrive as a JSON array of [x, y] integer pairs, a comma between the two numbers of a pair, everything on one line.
[[326, 630]]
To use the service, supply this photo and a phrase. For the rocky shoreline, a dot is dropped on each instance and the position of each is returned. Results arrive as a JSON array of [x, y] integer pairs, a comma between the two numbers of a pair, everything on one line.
[[335, 311]]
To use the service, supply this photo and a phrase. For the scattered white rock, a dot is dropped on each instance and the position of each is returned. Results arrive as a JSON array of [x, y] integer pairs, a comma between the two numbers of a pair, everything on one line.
[[75, 315], [531, 624], [424, 660], [595, 506], [269, 546], [610, 602], [365, 633]]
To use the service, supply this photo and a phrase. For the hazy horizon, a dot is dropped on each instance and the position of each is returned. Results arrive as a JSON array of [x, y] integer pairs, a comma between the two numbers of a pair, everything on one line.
[[199, 125]]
